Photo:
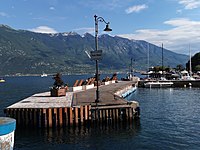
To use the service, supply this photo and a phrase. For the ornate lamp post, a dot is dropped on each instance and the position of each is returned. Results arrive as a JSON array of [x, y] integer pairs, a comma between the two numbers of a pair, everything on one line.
[[98, 52]]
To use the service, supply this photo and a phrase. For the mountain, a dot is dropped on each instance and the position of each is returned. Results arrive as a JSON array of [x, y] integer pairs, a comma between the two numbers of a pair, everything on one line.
[[25, 52], [195, 63]]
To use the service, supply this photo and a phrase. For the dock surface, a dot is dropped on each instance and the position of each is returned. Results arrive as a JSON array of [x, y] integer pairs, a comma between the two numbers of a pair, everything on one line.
[[83, 97], [106, 94]]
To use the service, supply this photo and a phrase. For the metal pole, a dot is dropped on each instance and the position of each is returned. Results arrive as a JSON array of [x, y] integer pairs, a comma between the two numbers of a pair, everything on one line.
[[190, 67], [162, 59], [96, 48], [148, 62], [96, 18]]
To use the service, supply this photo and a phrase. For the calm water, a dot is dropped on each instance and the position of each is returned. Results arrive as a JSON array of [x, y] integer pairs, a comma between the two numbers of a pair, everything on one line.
[[170, 119]]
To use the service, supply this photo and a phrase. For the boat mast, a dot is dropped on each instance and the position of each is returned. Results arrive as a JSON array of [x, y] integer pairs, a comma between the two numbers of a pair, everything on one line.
[[190, 61], [148, 61], [162, 58]]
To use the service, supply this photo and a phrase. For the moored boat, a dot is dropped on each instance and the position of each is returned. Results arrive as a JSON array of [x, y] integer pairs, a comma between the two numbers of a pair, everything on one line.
[[158, 84], [2, 80], [44, 75]]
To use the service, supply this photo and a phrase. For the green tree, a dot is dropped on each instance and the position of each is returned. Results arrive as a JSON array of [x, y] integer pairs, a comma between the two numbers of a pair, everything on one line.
[[197, 68], [179, 67], [195, 61]]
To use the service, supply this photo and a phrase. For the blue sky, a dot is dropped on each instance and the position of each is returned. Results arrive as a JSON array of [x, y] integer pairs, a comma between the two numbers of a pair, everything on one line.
[[175, 23]]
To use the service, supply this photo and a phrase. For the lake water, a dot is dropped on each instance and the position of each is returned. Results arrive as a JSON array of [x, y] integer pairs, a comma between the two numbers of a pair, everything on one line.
[[170, 119]]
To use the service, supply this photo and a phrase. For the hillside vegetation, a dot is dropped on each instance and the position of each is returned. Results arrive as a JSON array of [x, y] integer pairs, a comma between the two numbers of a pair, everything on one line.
[[25, 52]]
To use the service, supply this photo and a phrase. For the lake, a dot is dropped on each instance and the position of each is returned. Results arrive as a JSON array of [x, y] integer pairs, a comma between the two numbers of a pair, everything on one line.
[[169, 120]]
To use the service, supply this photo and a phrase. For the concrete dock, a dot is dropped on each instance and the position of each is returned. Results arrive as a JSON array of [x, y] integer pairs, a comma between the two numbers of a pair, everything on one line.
[[108, 94], [77, 107], [77, 98]]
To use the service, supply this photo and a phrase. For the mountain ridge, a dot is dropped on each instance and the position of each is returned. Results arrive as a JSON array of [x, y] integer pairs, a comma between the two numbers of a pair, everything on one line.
[[26, 52]]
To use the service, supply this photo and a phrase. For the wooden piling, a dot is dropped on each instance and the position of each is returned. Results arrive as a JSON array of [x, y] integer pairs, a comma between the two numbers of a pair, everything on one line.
[[49, 118], [65, 117], [60, 117], [86, 112], [39, 116], [69, 116], [44, 117], [76, 117], [81, 115]]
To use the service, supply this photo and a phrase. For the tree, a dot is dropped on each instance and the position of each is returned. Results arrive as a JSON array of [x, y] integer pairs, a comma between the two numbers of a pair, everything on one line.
[[195, 61], [167, 69], [156, 68], [197, 68], [180, 67]]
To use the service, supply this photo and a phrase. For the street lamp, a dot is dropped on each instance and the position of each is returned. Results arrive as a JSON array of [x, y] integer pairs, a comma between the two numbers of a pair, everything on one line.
[[98, 52]]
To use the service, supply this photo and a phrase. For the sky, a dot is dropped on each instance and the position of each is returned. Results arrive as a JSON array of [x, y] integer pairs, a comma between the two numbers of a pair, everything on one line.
[[175, 23]]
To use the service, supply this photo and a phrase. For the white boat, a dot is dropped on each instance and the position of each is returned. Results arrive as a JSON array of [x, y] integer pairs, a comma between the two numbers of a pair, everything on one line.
[[186, 76], [44, 75], [158, 84], [2, 80]]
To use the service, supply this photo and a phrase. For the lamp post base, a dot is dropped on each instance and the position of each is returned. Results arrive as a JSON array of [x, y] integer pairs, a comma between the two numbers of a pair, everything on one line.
[[97, 95], [96, 101]]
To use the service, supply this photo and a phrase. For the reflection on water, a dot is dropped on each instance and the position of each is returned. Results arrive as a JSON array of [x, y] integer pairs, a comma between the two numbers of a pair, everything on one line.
[[81, 137]]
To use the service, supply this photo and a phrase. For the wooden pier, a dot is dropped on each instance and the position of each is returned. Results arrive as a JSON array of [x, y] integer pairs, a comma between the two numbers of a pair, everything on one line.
[[76, 108]]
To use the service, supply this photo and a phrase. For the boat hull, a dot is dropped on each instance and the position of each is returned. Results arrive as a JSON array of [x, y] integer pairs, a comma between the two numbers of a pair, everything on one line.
[[158, 84], [2, 80]]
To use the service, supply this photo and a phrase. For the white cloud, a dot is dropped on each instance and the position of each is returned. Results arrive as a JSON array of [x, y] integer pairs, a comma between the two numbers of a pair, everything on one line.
[[43, 29], [3, 14], [182, 33], [136, 8], [52, 8], [104, 4], [84, 30], [180, 22], [190, 4], [179, 11]]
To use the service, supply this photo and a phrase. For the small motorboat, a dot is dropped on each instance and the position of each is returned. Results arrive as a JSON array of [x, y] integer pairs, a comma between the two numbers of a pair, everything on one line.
[[2, 80], [44, 75]]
